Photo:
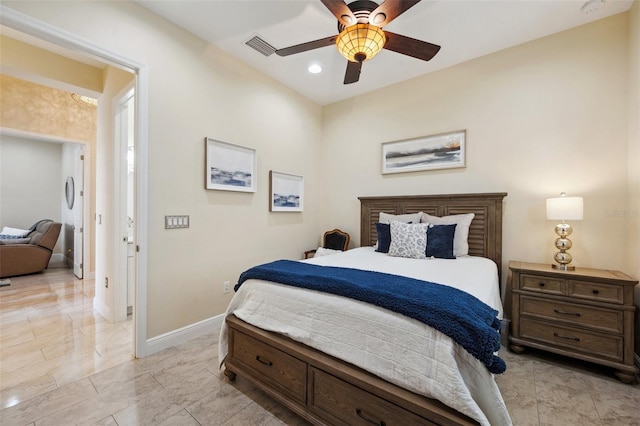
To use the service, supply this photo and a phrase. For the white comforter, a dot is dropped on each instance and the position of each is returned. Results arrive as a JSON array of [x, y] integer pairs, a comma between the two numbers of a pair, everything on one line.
[[398, 349]]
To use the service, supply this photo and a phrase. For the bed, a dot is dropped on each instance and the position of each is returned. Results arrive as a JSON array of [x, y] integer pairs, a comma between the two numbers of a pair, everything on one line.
[[337, 361]]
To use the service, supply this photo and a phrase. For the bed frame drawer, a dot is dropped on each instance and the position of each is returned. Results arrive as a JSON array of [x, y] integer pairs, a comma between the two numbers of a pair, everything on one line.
[[271, 365], [343, 404]]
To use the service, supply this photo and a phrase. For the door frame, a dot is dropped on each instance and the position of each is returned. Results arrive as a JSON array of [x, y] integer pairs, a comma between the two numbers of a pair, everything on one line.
[[45, 31], [80, 211]]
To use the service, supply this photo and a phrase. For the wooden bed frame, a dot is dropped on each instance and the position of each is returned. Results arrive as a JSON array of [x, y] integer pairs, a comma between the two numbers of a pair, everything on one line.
[[327, 391]]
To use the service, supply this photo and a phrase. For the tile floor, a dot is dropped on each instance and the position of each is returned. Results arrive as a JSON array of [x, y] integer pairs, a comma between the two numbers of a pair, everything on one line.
[[63, 364]]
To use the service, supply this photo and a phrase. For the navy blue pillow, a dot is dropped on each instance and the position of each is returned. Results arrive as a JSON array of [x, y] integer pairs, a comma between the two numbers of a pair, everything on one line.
[[440, 241], [384, 237]]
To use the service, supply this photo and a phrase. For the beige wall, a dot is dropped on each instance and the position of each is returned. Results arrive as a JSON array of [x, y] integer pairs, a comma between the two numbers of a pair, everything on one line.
[[23, 60], [198, 91], [37, 165], [541, 118], [633, 210]]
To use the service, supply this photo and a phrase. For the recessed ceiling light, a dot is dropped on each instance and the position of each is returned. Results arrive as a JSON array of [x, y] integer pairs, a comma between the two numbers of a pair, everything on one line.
[[314, 69]]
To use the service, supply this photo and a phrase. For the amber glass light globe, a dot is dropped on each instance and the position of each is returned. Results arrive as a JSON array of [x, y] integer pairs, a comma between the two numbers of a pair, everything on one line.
[[360, 42]]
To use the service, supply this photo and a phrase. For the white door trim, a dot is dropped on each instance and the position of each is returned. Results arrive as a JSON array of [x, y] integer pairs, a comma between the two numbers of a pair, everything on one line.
[[45, 31]]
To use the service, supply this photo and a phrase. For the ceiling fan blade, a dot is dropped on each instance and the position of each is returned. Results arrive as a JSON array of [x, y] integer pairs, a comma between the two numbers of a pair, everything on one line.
[[310, 45], [341, 11], [410, 46], [353, 72], [390, 10]]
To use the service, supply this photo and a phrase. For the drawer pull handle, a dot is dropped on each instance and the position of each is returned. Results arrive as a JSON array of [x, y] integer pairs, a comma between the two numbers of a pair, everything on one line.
[[575, 339], [558, 311], [595, 291], [541, 284], [263, 361], [369, 419]]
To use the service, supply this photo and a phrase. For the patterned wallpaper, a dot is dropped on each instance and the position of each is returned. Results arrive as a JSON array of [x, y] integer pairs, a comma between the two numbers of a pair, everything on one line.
[[40, 109]]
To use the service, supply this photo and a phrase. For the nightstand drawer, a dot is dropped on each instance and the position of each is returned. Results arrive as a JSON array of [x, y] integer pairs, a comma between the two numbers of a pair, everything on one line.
[[574, 339], [271, 365], [543, 284], [607, 320], [596, 291]]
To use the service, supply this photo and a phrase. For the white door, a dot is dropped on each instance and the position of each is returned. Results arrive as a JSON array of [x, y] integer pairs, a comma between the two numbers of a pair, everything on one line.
[[124, 203], [78, 212]]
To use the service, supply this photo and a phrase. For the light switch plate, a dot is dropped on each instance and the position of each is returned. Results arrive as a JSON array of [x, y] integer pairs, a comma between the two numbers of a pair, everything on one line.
[[174, 222]]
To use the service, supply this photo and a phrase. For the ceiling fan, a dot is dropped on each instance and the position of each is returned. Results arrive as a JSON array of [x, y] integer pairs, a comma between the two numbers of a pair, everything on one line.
[[361, 36]]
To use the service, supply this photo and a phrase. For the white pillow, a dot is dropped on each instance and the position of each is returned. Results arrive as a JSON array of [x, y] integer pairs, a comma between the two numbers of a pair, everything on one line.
[[408, 240], [406, 218], [463, 221], [14, 232], [321, 251]]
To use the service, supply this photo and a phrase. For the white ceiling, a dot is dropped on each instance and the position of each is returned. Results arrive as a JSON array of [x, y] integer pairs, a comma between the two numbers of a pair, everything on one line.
[[465, 29]]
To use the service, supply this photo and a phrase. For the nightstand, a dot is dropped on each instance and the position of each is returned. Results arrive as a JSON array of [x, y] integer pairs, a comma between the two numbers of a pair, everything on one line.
[[586, 314]]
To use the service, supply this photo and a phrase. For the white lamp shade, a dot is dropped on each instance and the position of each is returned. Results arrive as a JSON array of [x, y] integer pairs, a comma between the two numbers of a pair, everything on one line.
[[564, 208]]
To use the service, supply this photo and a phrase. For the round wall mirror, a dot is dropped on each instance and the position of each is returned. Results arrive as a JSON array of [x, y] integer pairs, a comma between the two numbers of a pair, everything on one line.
[[69, 191]]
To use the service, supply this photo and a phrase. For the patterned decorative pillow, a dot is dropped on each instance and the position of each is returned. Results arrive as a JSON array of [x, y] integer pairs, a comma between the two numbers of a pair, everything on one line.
[[408, 240], [387, 218], [463, 221], [14, 240]]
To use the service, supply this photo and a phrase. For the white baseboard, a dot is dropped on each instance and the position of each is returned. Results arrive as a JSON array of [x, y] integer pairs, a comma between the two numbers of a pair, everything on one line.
[[58, 257], [102, 309], [181, 335]]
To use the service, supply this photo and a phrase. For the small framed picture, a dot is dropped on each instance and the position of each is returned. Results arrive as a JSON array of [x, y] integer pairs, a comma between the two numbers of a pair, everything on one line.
[[230, 167], [287, 192], [442, 151]]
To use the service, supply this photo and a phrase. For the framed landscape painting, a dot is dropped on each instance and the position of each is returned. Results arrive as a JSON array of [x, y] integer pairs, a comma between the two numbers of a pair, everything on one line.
[[287, 192], [230, 167], [442, 151]]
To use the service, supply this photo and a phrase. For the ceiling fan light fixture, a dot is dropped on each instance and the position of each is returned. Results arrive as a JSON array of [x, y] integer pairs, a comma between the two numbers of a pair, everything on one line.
[[360, 42], [84, 99]]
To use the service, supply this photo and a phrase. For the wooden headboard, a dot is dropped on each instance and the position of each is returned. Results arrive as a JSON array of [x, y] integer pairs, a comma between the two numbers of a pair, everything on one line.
[[485, 232]]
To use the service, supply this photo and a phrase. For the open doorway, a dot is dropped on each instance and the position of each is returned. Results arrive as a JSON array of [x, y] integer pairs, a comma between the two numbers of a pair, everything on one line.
[[64, 40]]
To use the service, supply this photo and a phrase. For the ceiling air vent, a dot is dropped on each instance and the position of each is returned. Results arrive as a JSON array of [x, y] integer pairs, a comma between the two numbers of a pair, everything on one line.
[[260, 45]]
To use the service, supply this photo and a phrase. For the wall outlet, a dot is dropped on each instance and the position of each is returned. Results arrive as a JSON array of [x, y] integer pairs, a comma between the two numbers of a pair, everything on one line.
[[225, 286]]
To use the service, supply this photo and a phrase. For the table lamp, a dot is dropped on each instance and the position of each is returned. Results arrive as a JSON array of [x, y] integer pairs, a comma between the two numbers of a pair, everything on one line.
[[564, 208]]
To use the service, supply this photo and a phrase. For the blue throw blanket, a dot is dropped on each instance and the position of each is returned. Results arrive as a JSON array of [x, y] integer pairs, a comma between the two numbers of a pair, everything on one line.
[[459, 315]]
